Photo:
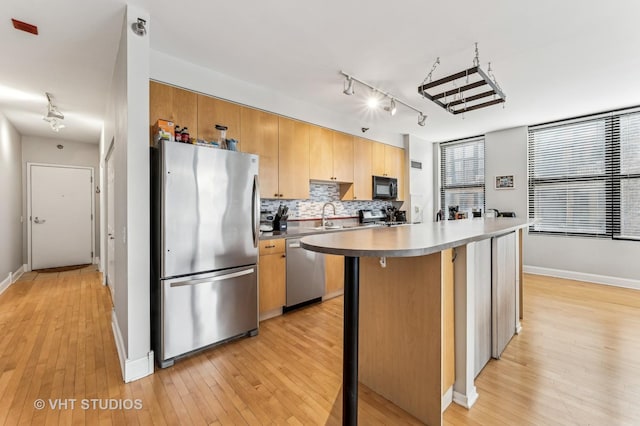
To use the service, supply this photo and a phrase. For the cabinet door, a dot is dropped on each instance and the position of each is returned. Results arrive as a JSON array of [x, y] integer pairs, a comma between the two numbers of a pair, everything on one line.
[[293, 159], [377, 159], [334, 274], [272, 282], [212, 111], [394, 166], [259, 131], [174, 104], [342, 157], [504, 294], [321, 154], [362, 160]]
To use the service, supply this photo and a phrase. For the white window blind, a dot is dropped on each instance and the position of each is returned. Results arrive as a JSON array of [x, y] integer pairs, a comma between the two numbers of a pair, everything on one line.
[[584, 176], [462, 174]]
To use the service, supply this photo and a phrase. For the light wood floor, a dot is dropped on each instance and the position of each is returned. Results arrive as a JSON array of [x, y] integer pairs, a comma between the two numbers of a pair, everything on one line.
[[576, 362]]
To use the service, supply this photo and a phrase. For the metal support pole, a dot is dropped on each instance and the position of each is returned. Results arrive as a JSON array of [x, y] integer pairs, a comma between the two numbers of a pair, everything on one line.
[[350, 344]]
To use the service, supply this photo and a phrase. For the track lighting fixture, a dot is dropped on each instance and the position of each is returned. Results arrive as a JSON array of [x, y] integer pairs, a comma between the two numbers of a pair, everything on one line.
[[54, 115], [139, 27], [55, 124], [374, 100], [52, 111], [349, 89]]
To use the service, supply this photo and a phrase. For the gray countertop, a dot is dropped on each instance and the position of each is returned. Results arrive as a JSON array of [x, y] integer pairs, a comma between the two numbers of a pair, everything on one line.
[[299, 231], [411, 240]]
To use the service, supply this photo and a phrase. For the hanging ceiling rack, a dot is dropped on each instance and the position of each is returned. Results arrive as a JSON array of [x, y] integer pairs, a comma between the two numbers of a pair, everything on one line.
[[456, 96], [349, 91]]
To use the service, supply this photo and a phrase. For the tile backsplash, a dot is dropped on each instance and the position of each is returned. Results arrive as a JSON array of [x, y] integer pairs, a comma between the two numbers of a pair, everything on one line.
[[320, 193]]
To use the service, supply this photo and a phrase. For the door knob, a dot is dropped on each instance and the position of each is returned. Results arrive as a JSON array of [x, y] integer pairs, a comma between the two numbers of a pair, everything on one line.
[[36, 220]]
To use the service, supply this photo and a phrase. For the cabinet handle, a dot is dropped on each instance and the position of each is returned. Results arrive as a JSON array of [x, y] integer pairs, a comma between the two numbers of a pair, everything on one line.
[[284, 255], [275, 195], [280, 195], [272, 246]]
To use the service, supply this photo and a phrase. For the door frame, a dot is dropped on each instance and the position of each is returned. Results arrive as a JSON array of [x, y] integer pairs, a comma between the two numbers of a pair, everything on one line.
[[29, 215], [108, 189]]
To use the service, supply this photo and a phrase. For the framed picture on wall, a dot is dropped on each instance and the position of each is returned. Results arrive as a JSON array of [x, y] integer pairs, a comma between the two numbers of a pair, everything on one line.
[[505, 182]]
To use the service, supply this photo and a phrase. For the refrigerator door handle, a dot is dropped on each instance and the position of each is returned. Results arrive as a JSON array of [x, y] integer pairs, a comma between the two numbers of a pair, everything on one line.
[[255, 215], [212, 279]]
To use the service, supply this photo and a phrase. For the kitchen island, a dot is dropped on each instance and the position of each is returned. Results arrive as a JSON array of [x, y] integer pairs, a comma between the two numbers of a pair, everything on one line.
[[399, 310]]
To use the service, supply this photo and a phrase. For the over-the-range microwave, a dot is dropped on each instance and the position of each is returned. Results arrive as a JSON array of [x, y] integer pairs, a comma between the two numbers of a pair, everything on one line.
[[385, 188]]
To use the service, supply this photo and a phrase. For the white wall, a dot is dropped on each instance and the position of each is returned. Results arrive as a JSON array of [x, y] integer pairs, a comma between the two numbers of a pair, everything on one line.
[[126, 123], [171, 70], [421, 181], [590, 259], [36, 149], [10, 199], [505, 153]]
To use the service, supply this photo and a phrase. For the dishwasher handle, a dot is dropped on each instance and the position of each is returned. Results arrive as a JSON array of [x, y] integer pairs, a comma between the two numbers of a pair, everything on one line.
[[294, 245]]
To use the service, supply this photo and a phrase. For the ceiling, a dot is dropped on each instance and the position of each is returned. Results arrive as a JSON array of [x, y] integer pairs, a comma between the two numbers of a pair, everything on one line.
[[552, 59]]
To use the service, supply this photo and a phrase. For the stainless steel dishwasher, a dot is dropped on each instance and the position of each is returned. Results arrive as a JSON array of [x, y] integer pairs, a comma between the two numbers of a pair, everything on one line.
[[305, 274]]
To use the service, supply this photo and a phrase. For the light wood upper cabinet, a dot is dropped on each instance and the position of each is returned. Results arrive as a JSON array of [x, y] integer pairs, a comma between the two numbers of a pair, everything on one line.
[[259, 131], [389, 161], [212, 111], [362, 168], [293, 159], [320, 153], [331, 155], [377, 159], [342, 157], [173, 104]]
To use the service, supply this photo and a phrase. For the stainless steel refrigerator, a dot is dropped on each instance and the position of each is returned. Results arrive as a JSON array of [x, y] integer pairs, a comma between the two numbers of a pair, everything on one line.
[[206, 217]]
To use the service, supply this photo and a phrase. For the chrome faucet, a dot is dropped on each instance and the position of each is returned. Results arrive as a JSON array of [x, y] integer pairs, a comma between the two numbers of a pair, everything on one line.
[[324, 221]]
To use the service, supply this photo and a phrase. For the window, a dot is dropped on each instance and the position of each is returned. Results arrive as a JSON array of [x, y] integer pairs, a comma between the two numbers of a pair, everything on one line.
[[462, 174], [584, 176]]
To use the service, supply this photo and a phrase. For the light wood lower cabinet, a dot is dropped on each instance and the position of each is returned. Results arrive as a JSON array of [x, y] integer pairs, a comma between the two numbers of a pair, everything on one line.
[[272, 278], [334, 275]]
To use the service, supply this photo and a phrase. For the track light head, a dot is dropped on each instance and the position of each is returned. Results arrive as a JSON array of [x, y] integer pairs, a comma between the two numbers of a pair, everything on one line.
[[392, 108], [421, 119], [54, 123], [139, 27], [349, 89]]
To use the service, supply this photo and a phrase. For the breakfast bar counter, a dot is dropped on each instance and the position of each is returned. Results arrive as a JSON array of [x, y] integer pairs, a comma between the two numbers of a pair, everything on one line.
[[399, 310]]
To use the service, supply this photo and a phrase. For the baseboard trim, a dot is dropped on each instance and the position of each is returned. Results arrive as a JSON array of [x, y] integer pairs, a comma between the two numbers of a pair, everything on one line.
[[96, 260], [447, 398], [4, 284], [131, 369], [466, 401], [581, 276], [17, 274], [270, 314], [333, 294]]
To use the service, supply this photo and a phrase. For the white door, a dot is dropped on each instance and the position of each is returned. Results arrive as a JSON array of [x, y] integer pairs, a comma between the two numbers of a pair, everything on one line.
[[61, 216], [110, 224]]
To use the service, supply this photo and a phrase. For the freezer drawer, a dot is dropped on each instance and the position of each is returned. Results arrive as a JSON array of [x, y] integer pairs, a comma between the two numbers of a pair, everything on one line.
[[200, 310]]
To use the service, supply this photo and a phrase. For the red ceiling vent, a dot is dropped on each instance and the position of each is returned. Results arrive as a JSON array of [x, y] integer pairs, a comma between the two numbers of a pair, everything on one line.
[[23, 26]]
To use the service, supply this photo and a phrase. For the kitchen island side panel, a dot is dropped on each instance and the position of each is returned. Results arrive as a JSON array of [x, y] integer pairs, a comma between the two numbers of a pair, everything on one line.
[[401, 332]]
